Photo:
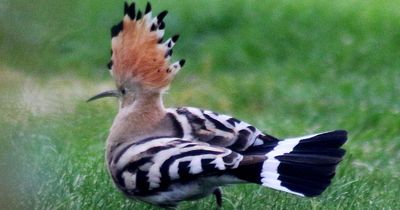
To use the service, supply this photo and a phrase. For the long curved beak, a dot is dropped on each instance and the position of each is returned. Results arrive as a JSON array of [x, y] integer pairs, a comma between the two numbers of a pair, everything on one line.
[[110, 93]]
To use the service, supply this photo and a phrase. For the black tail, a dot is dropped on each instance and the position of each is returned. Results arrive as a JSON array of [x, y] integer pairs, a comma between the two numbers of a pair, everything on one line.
[[303, 166]]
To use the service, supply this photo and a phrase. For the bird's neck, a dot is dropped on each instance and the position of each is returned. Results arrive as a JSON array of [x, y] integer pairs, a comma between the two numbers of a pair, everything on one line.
[[139, 119], [149, 103]]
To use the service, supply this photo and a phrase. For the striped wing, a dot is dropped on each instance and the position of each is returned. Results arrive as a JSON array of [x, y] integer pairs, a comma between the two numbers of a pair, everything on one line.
[[153, 165], [221, 130]]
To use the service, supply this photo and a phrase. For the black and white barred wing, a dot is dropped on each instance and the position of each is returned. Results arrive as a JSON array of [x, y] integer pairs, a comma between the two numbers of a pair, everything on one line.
[[155, 165], [221, 130]]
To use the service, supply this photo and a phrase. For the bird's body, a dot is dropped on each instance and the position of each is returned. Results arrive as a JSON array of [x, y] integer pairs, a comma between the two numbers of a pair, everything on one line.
[[198, 150], [164, 156]]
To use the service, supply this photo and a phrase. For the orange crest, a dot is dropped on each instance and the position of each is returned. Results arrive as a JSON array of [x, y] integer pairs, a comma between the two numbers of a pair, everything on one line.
[[138, 54]]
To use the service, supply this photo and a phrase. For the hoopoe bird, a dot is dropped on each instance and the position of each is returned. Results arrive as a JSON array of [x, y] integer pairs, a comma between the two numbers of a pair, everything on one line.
[[166, 155]]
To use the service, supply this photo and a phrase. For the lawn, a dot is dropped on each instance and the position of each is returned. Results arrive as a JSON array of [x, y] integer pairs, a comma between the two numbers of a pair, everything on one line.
[[289, 67]]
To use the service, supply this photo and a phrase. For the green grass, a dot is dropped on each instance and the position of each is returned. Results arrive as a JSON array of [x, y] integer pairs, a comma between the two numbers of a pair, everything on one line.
[[288, 67]]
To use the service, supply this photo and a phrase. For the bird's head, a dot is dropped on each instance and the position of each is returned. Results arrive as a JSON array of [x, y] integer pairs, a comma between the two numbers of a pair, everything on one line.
[[140, 60]]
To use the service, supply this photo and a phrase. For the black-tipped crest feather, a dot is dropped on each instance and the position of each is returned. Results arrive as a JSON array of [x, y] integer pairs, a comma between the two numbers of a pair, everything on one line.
[[139, 15], [161, 16], [131, 11], [126, 8], [175, 38], [116, 29], [162, 26], [148, 8], [153, 27], [182, 62]]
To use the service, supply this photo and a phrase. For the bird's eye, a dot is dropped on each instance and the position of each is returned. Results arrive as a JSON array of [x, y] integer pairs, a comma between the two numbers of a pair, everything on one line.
[[123, 91]]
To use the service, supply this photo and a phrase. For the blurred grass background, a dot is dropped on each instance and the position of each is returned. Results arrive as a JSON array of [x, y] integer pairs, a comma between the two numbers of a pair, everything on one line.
[[288, 67]]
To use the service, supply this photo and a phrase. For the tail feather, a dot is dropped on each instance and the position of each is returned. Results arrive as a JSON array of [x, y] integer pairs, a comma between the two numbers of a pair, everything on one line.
[[303, 188], [303, 166], [334, 139], [332, 152], [308, 159]]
